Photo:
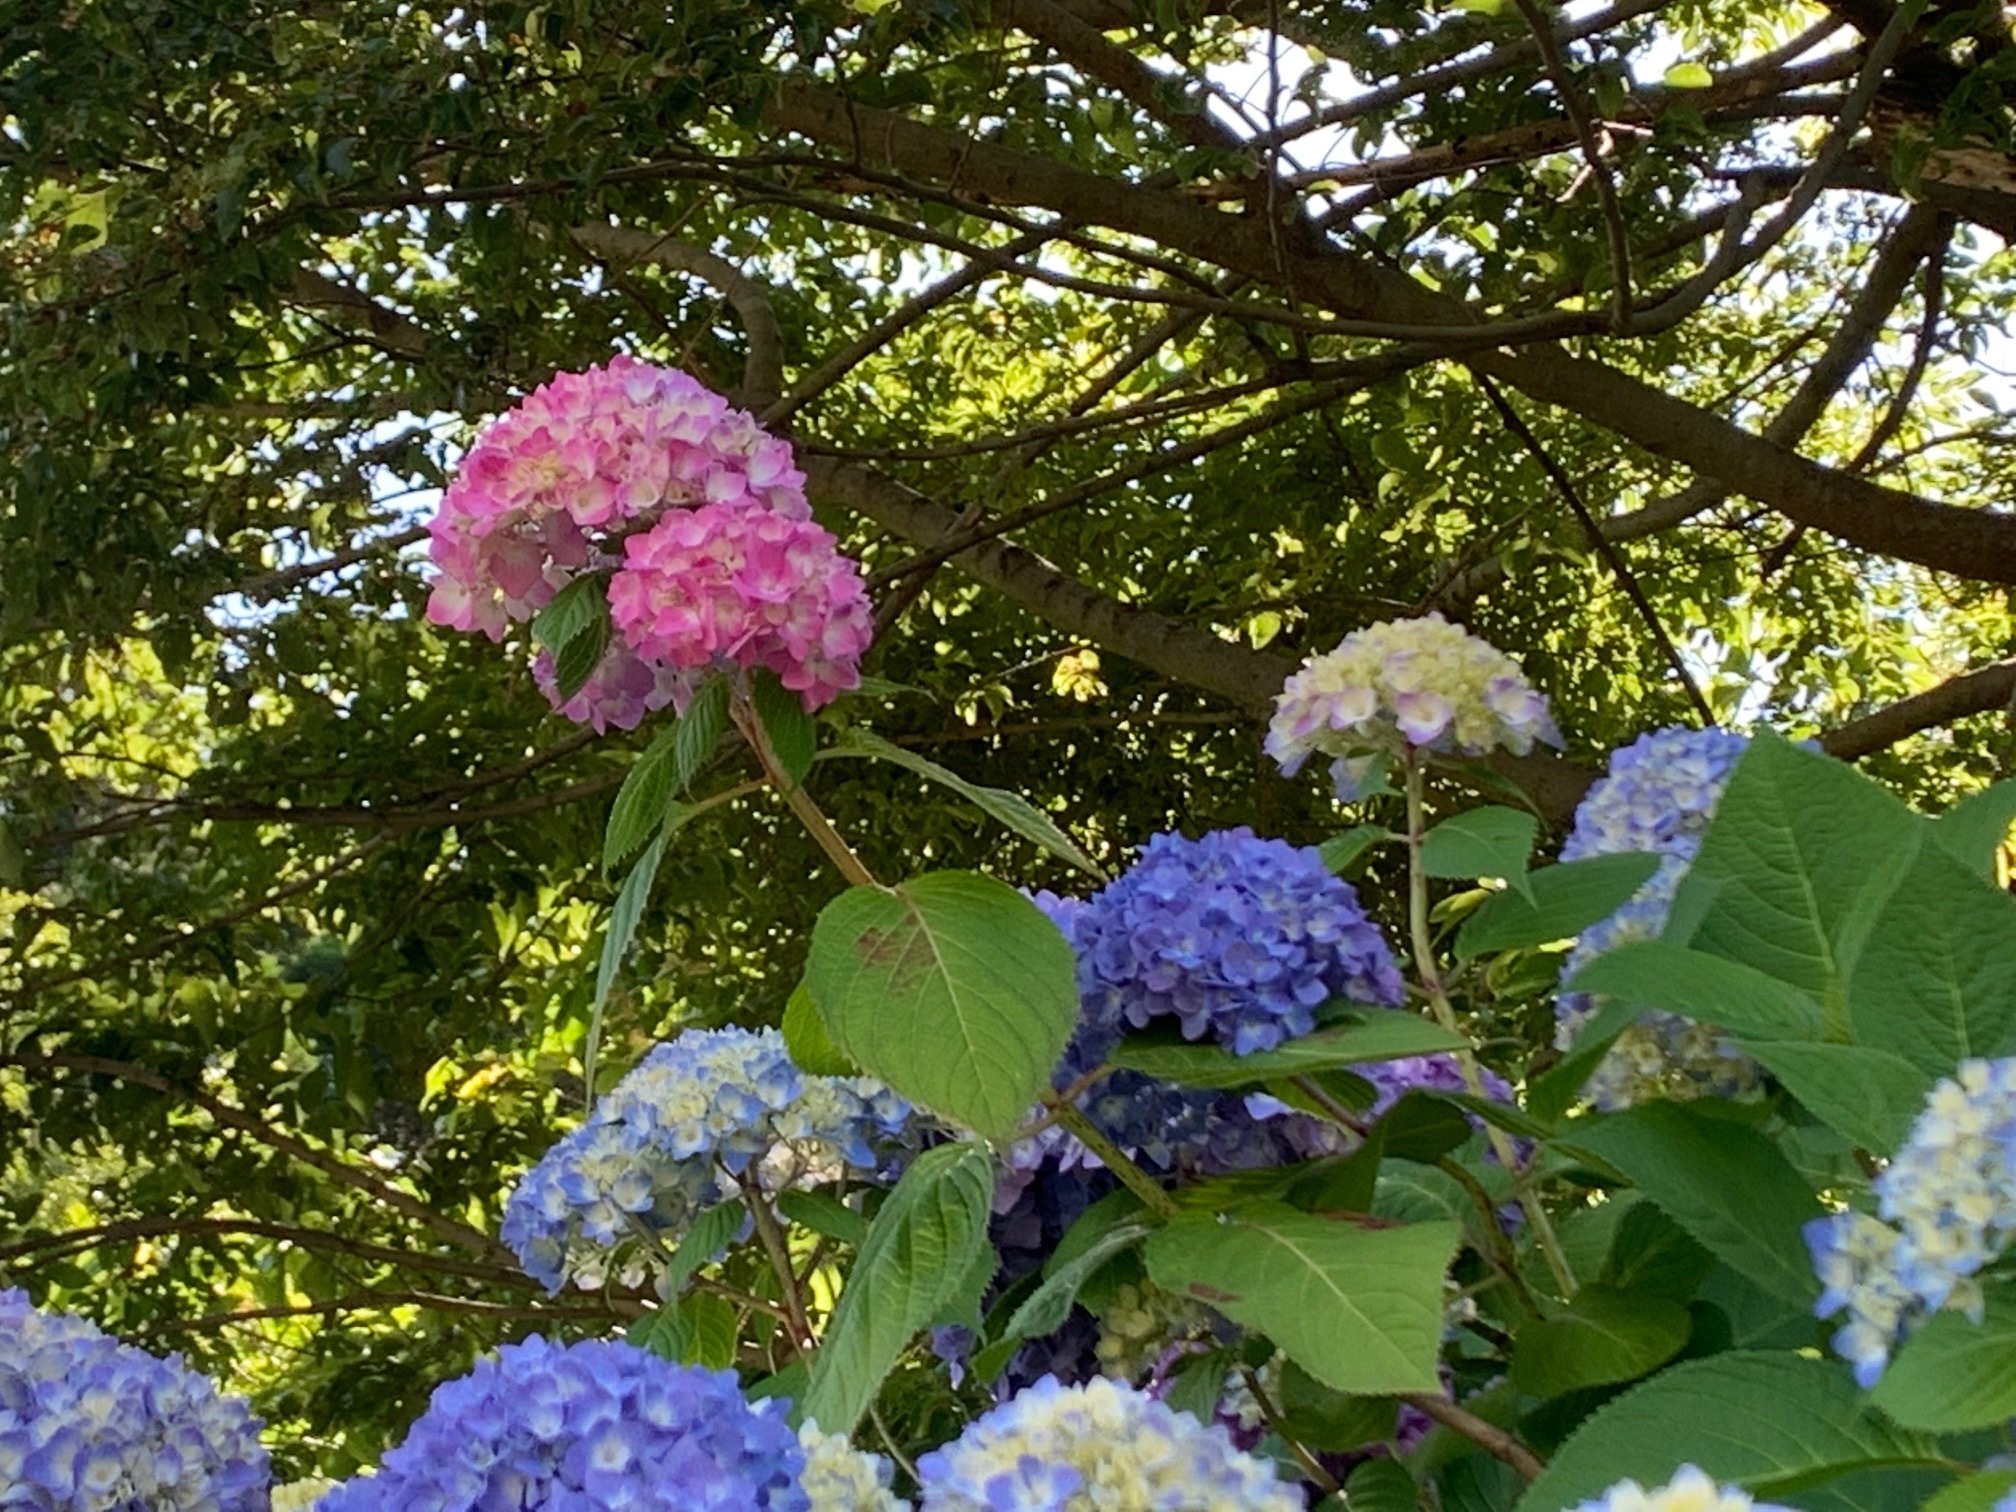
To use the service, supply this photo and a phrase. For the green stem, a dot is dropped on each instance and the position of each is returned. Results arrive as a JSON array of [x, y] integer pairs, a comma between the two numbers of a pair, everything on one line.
[[771, 1233], [794, 795], [1445, 1015], [1136, 1180]]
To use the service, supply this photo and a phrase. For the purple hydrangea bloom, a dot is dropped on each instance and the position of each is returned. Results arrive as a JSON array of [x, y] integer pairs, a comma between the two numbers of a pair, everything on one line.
[[1233, 936], [88, 1424], [1658, 799], [589, 1426]]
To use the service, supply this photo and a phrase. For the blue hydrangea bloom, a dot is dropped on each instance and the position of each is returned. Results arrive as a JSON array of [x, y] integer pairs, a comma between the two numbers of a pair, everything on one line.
[[1233, 936], [1090, 1448], [1658, 799], [589, 1426], [88, 1424], [705, 1117], [1946, 1208]]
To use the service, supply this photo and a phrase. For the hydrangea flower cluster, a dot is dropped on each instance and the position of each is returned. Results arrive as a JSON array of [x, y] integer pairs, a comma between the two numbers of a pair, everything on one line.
[[88, 1424], [840, 1478], [711, 1115], [1099, 1447], [594, 1425], [621, 690], [1231, 935], [719, 584], [1946, 1207], [1406, 685], [1658, 799], [1690, 1490], [702, 514]]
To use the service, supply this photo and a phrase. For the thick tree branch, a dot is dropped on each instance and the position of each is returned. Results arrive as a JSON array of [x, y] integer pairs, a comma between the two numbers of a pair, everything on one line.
[[1970, 543], [1983, 691], [763, 365]]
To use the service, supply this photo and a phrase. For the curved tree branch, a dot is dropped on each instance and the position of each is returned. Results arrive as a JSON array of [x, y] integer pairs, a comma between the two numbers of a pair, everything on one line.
[[763, 367], [1982, 691]]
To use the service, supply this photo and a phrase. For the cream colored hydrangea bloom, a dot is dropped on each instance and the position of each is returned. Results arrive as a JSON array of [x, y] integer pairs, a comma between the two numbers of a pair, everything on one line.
[[840, 1478], [302, 1495], [1404, 685], [1690, 1490]]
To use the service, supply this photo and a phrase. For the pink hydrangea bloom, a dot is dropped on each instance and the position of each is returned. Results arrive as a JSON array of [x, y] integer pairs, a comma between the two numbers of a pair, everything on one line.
[[721, 584], [621, 690], [549, 484]]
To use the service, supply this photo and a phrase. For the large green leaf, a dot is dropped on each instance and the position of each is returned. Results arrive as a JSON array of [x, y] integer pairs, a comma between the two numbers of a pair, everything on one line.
[[1954, 1373], [1377, 1036], [1871, 1096], [1767, 1422], [1973, 1493], [805, 1037], [574, 627], [1975, 827], [1359, 1308], [1603, 1336], [1702, 987], [953, 988], [712, 1232], [793, 737], [1482, 842], [1010, 809], [1802, 855], [910, 1267], [1564, 901], [1936, 982], [1723, 1182]]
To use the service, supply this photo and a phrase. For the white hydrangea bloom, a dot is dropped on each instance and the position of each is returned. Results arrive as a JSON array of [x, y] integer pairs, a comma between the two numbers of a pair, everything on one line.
[[840, 1478]]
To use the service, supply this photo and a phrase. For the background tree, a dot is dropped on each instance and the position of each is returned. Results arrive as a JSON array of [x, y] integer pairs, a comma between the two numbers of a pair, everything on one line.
[[1136, 348]]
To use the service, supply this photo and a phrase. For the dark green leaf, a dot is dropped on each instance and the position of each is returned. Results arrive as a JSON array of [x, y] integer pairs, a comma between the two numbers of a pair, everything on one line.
[[1954, 1373], [1705, 988], [1870, 1096], [1381, 1485], [1651, 1254], [1564, 901], [1339, 851], [793, 737], [805, 1037], [1010, 809], [1050, 1304], [712, 1232], [1484, 842], [575, 662], [1601, 1337], [1973, 1493], [1974, 829], [1378, 1036], [1359, 1308], [911, 1265], [623, 917], [1723, 1182], [1767, 1422], [570, 613], [823, 1213]]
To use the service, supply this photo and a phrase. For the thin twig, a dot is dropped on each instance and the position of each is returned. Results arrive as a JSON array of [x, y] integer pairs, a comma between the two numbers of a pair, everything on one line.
[[1493, 1440], [1605, 547]]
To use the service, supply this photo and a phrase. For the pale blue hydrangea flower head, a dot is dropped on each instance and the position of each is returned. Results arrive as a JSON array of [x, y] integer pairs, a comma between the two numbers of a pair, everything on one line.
[[1690, 1490], [596, 1426], [1099, 1447], [840, 1478], [88, 1424], [1406, 685], [1946, 1208], [1658, 800], [703, 1118], [1233, 936]]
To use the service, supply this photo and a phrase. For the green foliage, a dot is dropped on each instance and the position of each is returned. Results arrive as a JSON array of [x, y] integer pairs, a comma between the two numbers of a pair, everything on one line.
[[1357, 1307], [908, 1272], [952, 988]]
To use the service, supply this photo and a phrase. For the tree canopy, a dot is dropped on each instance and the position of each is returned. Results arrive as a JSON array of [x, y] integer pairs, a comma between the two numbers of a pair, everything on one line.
[[1136, 347]]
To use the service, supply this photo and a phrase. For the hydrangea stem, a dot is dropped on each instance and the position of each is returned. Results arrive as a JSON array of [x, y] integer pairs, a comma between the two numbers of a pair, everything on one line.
[[794, 795], [1445, 1015], [771, 1234], [1132, 1177]]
